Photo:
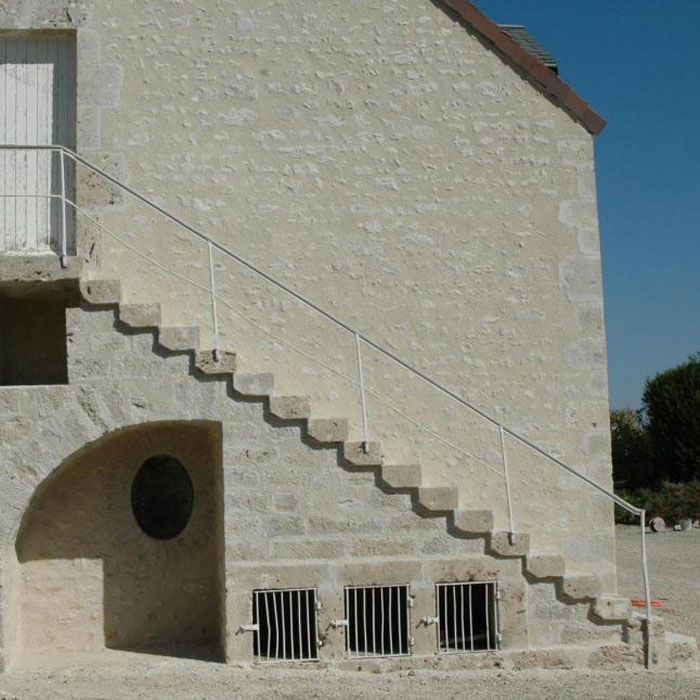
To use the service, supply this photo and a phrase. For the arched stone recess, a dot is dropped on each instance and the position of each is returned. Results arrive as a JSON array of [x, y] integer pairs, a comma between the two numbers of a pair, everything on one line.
[[89, 577]]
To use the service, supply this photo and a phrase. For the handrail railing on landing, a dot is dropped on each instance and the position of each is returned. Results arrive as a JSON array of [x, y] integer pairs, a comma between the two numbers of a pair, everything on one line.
[[359, 339]]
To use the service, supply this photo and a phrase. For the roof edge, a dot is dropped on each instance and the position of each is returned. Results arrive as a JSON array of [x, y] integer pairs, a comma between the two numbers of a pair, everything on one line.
[[553, 86]]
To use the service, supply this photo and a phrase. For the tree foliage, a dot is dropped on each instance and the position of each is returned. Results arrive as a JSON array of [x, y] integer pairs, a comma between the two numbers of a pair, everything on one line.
[[631, 451], [672, 409]]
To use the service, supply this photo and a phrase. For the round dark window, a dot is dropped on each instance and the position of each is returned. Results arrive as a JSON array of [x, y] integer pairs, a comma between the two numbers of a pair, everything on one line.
[[162, 497]]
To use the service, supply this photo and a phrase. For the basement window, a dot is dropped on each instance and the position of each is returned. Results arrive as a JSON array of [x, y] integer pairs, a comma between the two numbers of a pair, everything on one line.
[[285, 624], [467, 617], [378, 621], [32, 342]]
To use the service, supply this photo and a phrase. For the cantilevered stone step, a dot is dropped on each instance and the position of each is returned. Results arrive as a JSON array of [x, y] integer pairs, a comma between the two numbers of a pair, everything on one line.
[[225, 363], [140, 315], [402, 476], [545, 565], [179, 338], [100, 292], [258, 384], [438, 498], [290, 407], [581, 586], [612, 608], [355, 453], [328, 429], [474, 521], [506, 544]]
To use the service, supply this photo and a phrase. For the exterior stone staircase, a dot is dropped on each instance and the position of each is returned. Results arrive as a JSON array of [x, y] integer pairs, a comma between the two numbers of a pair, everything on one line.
[[432, 501]]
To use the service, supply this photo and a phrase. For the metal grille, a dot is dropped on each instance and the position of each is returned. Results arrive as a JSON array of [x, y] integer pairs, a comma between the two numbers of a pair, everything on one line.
[[285, 625], [467, 617], [378, 621]]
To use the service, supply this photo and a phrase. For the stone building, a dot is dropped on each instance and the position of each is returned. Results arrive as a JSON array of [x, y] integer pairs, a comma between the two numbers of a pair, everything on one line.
[[301, 340]]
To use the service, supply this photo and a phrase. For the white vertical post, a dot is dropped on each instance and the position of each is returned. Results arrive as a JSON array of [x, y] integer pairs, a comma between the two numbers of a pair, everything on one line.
[[212, 295], [365, 444], [504, 456], [64, 228], [647, 594]]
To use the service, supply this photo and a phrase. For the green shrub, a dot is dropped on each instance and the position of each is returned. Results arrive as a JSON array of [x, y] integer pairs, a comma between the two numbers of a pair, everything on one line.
[[672, 502]]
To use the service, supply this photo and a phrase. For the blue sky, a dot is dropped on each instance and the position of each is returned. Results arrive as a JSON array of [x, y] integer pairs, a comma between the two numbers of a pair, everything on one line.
[[638, 64]]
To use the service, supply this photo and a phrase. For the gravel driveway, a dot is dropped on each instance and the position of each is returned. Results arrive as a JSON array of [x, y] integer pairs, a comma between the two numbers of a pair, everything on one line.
[[675, 577]]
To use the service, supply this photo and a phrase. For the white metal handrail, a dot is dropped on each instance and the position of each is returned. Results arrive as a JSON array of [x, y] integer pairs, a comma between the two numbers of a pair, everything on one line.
[[359, 338]]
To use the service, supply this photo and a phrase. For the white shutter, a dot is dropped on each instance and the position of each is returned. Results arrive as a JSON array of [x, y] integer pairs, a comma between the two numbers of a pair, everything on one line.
[[38, 107]]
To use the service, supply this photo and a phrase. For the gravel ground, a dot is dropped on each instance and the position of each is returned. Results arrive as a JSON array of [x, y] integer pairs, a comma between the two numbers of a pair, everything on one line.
[[675, 578], [674, 574]]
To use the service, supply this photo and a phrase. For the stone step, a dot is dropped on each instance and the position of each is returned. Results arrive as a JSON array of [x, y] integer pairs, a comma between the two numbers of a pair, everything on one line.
[[328, 429], [581, 586], [507, 544], [291, 407], [438, 498], [140, 315], [257, 384], [225, 363], [355, 453], [179, 338], [474, 521], [101, 292], [545, 565], [402, 476], [612, 607]]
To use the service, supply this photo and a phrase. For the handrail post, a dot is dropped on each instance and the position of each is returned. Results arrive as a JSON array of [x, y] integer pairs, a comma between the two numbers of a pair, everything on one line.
[[212, 295], [504, 457], [647, 594], [64, 229], [365, 428]]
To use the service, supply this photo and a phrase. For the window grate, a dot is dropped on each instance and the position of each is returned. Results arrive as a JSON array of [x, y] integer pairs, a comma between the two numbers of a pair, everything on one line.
[[467, 617], [378, 621], [285, 624]]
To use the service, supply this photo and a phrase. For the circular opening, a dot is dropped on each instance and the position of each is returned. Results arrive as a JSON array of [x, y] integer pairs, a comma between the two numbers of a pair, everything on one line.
[[162, 497]]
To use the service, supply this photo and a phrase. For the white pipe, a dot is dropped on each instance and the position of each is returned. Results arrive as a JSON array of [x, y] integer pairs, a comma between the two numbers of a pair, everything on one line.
[[64, 229], [212, 295], [647, 594], [511, 520], [365, 428]]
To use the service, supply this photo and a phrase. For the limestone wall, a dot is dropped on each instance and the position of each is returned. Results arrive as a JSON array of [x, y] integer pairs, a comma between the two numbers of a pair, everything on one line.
[[292, 514], [386, 164]]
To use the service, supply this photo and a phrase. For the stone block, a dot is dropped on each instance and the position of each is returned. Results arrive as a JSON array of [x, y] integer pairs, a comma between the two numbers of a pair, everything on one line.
[[543, 658], [291, 407], [476, 521], [545, 565], [309, 549], [508, 544], [140, 315], [389, 573], [473, 568], [402, 476], [225, 363], [260, 384], [355, 453], [612, 607], [329, 429], [383, 547], [101, 291], [438, 498], [581, 586], [179, 338]]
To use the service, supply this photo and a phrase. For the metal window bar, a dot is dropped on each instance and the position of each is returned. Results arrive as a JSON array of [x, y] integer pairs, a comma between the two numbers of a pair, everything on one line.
[[285, 624], [467, 607], [378, 621]]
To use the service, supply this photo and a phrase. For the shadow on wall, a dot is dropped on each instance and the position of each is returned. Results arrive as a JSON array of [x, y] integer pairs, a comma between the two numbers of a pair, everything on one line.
[[92, 578]]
